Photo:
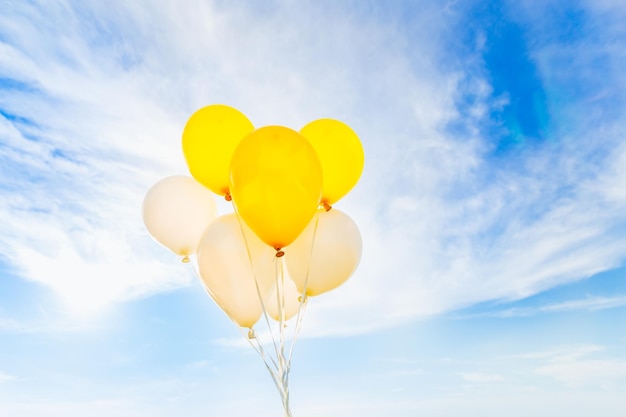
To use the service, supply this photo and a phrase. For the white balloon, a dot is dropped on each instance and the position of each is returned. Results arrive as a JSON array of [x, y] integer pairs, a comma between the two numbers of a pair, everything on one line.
[[285, 295], [230, 257], [176, 210], [326, 253]]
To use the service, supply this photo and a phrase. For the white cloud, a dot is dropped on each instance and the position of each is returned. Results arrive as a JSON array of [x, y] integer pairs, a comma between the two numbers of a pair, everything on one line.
[[588, 366], [586, 373], [443, 226], [590, 303], [407, 372], [576, 369], [9, 324], [6, 377], [568, 352], [481, 377]]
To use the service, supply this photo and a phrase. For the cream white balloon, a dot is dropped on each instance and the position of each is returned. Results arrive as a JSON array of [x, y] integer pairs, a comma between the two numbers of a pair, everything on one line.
[[326, 254], [283, 295], [232, 261], [176, 210]]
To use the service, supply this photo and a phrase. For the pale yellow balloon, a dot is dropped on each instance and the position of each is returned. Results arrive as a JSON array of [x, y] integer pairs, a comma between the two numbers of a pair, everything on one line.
[[276, 183], [209, 140], [284, 294], [326, 254], [232, 261], [341, 155], [176, 210]]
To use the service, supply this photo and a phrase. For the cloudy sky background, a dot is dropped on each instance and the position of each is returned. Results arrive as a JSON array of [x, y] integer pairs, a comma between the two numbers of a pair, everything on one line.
[[492, 205]]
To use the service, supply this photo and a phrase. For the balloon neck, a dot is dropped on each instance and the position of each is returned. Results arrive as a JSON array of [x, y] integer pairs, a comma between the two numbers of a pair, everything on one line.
[[251, 334], [227, 196], [279, 253], [185, 259], [326, 206]]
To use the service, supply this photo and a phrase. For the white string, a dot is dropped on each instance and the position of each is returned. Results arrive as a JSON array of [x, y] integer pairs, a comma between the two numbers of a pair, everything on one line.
[[280, 367], [304, 298], [280, 371]]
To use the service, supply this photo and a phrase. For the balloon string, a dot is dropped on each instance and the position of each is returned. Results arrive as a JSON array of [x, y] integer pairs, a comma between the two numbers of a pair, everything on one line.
[[280, 301], [303, 296], [256, 282], [283, 367], [258, 347], [278, 372], [280, 375], [253, 340], [251, 335]]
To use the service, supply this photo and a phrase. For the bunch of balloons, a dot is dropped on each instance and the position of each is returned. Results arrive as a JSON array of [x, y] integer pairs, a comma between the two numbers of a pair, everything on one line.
[[284, 242]]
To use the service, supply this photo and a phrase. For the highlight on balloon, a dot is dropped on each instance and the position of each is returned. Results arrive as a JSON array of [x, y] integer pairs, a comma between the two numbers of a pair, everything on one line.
[[284, 240]]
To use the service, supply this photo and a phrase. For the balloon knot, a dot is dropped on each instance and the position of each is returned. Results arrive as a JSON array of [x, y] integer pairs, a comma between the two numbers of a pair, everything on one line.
[[279, 253], [251, 334], [185, 259], [326, 206], [228, 197]]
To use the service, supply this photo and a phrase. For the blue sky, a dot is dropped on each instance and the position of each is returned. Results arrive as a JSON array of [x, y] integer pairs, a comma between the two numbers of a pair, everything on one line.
[[492, 205]]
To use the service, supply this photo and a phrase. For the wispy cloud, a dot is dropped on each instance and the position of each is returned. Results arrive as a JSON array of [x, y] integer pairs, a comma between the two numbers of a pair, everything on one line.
[[590, 303], [9, 324], [480, 377], [6, 377], [568, 352], [577, 366], [580, 369], [103, 94], [49, 325], [589, 372]]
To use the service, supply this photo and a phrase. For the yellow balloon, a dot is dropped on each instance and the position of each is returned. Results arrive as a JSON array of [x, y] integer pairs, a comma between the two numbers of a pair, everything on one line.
[[341, 155], [209, 140], [275, 183]]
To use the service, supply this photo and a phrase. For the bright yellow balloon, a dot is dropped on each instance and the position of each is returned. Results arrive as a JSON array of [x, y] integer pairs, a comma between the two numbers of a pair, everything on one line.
[[209, 140], [341, 155], [276, 183]]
